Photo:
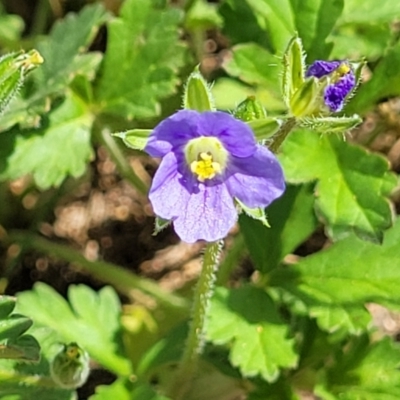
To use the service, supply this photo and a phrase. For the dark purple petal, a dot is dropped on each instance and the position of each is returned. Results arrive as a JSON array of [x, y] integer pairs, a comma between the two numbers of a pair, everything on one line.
[[336, 93], [257, 180], [208, 214], [236, 136], [173, 132], [321, 68], [167, 190]]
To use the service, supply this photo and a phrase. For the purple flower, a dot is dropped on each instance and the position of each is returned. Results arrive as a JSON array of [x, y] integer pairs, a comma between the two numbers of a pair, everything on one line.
[[341, 81], [208, 159]]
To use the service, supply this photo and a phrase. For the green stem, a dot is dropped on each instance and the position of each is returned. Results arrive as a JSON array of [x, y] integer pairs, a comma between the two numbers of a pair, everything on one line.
[[123, 166], [195, 340], [282, 134], [113, 274]]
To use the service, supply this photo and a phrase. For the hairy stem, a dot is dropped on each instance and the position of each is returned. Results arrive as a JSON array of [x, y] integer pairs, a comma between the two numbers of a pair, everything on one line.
[[282, 134], [195, 340]]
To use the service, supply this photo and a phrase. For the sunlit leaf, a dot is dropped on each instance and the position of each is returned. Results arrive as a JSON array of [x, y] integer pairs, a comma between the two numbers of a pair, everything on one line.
[[350, 196], [92, 320], [247, 319], [142, 60], [336, 283]]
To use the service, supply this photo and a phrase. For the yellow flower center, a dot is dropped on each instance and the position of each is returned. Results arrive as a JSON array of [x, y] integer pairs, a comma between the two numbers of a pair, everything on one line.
[[342, 70], [206, 157]]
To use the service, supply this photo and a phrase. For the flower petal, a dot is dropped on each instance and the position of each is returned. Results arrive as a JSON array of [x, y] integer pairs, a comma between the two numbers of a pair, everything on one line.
[[167, 190], [256, 181], [321, 68], [236, 136], [173, 132], [208, 214], [336, 93]]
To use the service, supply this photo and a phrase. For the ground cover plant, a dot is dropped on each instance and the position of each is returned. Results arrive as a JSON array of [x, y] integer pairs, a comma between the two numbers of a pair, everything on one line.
[[199, 200]]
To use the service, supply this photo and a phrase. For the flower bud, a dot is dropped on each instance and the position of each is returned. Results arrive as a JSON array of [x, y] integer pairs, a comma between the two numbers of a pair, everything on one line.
[[13, 70], [70, 367], [249, 110]]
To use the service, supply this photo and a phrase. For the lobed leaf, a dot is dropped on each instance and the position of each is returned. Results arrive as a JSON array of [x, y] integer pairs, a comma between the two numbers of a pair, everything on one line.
[[92, 320], [142, 60], [350, 196], [52, 152], [314, 22], [247, 319], [336, 283], [63, 49], [367, 371]]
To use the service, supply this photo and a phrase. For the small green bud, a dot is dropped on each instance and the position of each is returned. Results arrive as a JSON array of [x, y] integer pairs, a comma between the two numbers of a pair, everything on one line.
[[293, 69], [135, 138], [249, 110], [197, 95], [13, 69], [70, 367]]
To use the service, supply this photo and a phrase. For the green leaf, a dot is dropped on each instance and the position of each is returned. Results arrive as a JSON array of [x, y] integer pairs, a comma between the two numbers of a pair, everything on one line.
[[292, 220], [51, 153], [23, 348], [314, 21], [254, 65], [336, 283], [239, 13], [62, 49], [361, 11], [361, 41], [142, 60], [366, 370], [350, 196], [257, 336], [7, 305], [92, 320], [135, 138], [385, 82], [278, 20]]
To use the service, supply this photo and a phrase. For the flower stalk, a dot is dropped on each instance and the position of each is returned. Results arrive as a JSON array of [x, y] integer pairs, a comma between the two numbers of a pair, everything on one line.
[[282, 134], [196, 337]]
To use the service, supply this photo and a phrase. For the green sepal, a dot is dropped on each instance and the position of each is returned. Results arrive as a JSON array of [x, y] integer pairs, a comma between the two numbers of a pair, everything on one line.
[[203, 16], [160, 224], [135, 138], [305, 100], [293, 69], [70, 367], [265, 128], [255, 213], [197, 95], [357, 68], [14, 326], [23, 348], [13, 69], [249, 110], [330, 124], [7, 305]]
